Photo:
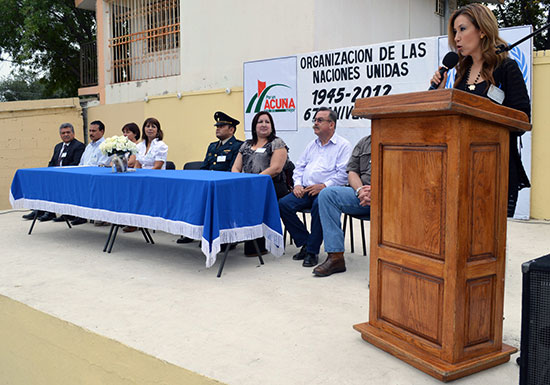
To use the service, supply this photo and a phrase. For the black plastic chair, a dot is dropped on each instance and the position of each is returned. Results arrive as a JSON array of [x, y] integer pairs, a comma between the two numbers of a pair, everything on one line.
[[362, 218], [170, 165], [193, 165]]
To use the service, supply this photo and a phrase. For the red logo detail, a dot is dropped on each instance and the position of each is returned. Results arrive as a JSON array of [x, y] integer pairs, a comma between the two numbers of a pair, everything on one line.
[[261, 87]]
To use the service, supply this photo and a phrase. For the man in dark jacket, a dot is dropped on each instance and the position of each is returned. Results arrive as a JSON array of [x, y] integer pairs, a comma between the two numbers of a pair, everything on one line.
[[66, 153]]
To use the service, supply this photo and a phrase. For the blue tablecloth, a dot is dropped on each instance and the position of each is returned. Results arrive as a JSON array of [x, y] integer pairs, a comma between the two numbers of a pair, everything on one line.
[[216, 207]]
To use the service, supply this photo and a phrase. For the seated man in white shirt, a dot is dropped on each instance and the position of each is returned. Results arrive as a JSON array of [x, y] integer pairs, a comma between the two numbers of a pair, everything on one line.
[[322, 164], [92, 155]]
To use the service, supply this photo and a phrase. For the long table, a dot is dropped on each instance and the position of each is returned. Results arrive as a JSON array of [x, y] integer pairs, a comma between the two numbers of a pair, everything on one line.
[[214, 207]]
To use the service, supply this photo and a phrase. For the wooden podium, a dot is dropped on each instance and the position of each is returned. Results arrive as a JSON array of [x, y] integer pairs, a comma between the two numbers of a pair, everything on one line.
[[438, 229]]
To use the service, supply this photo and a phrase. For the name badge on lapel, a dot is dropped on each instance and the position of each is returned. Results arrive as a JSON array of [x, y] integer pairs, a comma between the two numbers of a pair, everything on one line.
[[260, 150], [495, 94], [64, 155], [220, 158]]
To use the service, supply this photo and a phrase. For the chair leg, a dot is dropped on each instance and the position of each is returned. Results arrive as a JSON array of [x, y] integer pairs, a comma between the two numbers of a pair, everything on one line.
[[363, 236], [304, 219], [285, 232], [67, 221], [351, 234]]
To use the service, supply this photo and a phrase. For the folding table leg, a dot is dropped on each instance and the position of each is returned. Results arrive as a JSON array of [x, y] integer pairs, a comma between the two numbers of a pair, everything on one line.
[[144, 235], [67, 222], [33, 221], [223, 261], [109, 237], [113, 239], [150, 237], [258, 251]]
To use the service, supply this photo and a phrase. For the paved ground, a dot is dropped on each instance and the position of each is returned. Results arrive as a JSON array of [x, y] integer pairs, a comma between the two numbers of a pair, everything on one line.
[[270, 324]]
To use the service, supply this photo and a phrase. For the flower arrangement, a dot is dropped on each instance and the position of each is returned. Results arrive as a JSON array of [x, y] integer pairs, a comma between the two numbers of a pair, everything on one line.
[[118, 145]]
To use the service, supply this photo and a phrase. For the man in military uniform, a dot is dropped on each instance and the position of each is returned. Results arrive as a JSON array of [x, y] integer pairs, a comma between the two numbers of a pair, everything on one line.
[[221, 154]]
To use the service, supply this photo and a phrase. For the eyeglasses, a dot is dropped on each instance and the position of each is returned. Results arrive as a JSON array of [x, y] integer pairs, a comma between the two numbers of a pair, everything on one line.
[[320, 120]]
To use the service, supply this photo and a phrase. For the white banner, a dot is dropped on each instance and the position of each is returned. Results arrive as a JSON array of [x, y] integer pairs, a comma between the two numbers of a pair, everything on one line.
[[336, 78], [270, 85]]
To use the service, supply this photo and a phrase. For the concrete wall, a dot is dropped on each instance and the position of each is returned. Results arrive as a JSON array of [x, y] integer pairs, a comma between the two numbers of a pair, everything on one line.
[[540, 161], [39, 349], [114, 116], [31, 130], [214, 45]]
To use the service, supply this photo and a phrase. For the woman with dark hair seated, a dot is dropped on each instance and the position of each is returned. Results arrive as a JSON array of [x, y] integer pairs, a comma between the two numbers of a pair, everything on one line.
[[152, 151], [264, 154], [131, 131]]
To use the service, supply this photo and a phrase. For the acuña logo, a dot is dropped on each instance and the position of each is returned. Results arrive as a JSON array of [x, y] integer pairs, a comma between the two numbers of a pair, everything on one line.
[[264, 102]]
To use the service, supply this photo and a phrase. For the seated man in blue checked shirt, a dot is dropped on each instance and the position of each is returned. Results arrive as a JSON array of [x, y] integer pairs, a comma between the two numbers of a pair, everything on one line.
[[322, 164]]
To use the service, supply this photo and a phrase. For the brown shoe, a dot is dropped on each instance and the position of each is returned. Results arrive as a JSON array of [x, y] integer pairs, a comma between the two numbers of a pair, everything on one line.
[[129, 229], [334, 263]]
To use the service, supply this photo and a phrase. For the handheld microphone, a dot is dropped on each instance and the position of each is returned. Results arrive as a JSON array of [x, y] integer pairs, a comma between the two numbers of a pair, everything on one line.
[[449, 62]]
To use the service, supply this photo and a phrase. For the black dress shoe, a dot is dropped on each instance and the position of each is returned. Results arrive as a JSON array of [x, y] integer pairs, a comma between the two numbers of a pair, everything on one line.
[[183, 239], [310, 260], [60, 218], [300, 255], [46, 217], [78, 221], [31, 214]]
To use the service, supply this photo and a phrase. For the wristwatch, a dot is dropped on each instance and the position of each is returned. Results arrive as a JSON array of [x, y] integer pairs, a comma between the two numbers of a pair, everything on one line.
[[357, 191]]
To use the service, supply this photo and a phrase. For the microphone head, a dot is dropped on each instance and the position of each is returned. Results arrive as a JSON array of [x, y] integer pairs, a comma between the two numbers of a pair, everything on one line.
[[450, 60]]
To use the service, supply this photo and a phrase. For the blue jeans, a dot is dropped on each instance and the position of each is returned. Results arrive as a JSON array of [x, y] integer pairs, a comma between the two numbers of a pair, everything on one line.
[[333, 201], [288, 206]]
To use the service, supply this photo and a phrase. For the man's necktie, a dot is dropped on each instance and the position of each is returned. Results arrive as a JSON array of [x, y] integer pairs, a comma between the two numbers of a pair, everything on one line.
[[60, 158]]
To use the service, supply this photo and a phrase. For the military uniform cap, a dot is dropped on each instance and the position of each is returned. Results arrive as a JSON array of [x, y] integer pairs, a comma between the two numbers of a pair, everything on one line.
[[222, 119]]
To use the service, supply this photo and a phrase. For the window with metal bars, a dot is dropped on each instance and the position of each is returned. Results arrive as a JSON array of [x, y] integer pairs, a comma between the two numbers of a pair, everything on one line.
[[144, 39], [440, 8]]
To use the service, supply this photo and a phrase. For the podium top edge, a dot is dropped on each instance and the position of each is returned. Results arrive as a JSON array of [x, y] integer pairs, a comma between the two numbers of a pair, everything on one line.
[[447, 101]]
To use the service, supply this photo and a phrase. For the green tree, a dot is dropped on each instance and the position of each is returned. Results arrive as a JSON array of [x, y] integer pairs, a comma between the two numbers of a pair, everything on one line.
[[22, 85], [45, 36], [526, 12]]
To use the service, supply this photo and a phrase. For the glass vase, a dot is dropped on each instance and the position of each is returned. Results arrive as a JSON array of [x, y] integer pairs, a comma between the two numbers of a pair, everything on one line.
[[120, 162]]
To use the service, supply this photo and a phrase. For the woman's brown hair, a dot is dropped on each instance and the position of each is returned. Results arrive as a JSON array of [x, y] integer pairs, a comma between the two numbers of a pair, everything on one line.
[[154, 122], [485, 21]]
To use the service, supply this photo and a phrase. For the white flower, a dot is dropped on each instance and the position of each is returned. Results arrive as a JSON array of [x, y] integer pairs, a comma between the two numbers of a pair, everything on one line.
[[117, 145]]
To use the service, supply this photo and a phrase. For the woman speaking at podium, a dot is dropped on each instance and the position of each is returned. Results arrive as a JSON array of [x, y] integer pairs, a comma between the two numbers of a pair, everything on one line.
[[473, 34]]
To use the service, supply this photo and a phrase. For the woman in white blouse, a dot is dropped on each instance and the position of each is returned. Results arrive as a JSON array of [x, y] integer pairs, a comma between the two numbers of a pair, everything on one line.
[[152, 151]]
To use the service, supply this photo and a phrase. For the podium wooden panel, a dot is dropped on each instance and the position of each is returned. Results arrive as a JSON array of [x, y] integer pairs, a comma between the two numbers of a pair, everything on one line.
[[438, 229]]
